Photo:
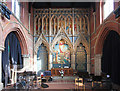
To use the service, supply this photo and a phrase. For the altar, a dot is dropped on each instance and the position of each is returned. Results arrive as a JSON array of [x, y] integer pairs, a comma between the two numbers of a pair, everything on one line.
[[56, 71]]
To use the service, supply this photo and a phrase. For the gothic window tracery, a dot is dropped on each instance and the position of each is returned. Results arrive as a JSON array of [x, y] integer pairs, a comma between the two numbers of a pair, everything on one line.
[[65, 21], [40, 25], [36, 27], [69, 25], [61, 22], [83, 25], [46, 25], [57, 23], [77, 26], [54, 24]]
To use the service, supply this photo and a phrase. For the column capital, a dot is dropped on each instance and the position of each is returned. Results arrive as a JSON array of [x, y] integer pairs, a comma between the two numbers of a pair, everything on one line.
[[98, 55], [94, 13], [73, 53], [2, 48]]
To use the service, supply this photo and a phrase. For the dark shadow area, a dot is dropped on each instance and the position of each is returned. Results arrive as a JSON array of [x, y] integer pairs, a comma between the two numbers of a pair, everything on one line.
[[38, 5], [111, 56]]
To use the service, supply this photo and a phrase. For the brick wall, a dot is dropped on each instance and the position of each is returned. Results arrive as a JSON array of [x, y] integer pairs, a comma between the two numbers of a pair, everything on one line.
[[20, 28], [99, 34]]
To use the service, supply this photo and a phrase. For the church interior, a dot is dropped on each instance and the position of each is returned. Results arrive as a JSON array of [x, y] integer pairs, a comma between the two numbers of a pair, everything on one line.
[[60, 45]]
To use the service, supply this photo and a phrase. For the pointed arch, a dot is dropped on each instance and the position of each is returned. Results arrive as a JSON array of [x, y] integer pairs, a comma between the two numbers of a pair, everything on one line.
[[61, 32], [13, 26], [69, 16], [61, 22], [53, 16], [88, 24], [39, 41], [39, 25], [77, 24], [61, 16], [54, 25], [45, 24], [42, 58], [83, 24], [35, 24], [103, 32], [64, 38], [69, 24], [82, 39]]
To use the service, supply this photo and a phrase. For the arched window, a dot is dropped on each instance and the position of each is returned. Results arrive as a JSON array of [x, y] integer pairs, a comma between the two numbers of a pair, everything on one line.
[[81, 58], [69, 25], [61, 22], [36, 27], [108, 7], [16, 8], [42, 58], [46, 25], [54, 25], [77, 23]]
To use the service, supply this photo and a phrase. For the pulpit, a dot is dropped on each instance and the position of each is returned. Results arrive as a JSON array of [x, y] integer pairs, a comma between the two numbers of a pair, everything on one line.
[[56, 71]]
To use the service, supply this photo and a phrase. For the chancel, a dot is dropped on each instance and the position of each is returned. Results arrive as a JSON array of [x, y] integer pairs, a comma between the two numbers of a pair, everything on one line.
[[59, 45]]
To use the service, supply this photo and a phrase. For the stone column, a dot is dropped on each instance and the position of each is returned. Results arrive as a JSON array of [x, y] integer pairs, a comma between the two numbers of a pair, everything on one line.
[[73, 61], [29, 22], [50, 61], [26, 61], [94, 15], [1, 84], [88, 64], [35, 62], [97, 64]]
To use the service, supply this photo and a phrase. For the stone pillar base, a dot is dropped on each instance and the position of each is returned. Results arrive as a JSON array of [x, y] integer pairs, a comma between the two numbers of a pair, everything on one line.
[[97, 64], [73, 61], [50, 61], [1, 86]]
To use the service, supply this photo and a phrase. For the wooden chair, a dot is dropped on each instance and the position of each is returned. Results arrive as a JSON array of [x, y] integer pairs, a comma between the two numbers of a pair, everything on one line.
[[78, 83], [97, 79], [39, 80]]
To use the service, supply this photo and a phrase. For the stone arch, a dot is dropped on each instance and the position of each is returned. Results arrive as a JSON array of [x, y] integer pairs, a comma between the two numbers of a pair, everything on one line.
[[83, 21], [52, 17], [46, 18], [68, 16], [105, 28], [61, 16], [42, 58], [64, 38], [35, 22], [77, 24], [17, 28], [39, 42], [60, 22], [81, 58], [69, 23], [88, 24], [81, 39], [39, 21]]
